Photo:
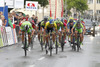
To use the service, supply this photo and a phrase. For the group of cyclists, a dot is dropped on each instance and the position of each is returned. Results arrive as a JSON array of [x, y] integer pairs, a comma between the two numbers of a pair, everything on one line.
[[68, 27]]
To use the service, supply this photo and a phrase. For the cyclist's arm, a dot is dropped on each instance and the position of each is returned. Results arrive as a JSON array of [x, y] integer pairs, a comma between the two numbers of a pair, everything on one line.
[[55, 25], [73, 28]]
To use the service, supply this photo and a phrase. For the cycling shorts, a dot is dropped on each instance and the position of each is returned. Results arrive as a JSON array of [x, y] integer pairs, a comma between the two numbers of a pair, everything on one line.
[[49, 29]]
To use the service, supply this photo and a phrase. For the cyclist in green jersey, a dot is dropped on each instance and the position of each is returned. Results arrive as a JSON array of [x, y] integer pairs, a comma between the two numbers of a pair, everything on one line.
[[78, 28], [26, 25]]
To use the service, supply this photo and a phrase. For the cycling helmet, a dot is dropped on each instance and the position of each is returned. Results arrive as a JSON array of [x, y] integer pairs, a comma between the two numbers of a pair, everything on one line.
[[78, 22], [71, 21], [51, 21], [71, 18], [50, 18], [45, 18]]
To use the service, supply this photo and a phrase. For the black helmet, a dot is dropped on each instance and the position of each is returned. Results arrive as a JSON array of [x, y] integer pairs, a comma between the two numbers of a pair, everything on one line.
[[71, 21], [78, 22], [45, 18]]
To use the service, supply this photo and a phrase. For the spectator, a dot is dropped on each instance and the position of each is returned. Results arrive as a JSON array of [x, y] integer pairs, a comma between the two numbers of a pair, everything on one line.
[[1, 14], [3, 21], [35, 20], [33, 17]]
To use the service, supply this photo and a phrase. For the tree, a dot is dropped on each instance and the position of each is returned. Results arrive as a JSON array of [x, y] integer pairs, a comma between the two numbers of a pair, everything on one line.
[[43, 4], [79, 5]]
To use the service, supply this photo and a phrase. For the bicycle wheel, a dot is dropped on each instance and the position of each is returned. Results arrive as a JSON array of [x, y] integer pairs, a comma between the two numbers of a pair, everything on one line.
[[62, 43], [32, 42], [56, 46], [50, 47], [25, 46], [78, 44], [41, 43], [74, 46]]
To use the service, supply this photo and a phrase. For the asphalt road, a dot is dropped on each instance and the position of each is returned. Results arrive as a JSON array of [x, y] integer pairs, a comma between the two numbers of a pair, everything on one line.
[[89, 55]]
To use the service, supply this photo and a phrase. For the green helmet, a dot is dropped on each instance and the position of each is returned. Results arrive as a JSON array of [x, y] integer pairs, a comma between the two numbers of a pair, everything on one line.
[[50, 18], [58, 21]]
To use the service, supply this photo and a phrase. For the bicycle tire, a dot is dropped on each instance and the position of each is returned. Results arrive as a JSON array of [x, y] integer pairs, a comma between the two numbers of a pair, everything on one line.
[[32, 42], [74, 46], [56, 47], [25, 47], [78, 44], [50, 48], [62, 44], [41, 44]]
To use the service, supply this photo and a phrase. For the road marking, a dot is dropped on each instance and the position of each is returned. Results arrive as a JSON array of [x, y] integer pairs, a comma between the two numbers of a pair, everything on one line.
[[41, 58], [32, 66]]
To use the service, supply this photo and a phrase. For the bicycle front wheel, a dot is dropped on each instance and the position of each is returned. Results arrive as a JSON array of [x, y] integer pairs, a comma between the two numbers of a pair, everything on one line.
[[56, 47]]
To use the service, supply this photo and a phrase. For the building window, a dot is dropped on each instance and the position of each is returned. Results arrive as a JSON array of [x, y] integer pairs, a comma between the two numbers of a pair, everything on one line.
[[90, 12], [98, 11], [90, 1], [98, 1]]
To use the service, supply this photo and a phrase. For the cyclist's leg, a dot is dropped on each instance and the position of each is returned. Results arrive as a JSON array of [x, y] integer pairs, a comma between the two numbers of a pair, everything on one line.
[[64, 34], [47, 35], [81, 35], [23, 36], [53, 35], [76, 31], [29, 38], [39, 35], [59, 37], [68, 35]]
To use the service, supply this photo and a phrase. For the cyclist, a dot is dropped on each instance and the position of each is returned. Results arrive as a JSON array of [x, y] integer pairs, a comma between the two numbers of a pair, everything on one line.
[[65, 27], [83, 23], [60, 28], [50, 26], [84, 28], [26, 25], [78, 28], [70, 24], [41, 26]]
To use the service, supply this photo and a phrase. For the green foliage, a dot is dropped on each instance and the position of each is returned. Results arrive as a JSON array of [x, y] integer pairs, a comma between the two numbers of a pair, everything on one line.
[[79, 5], [43, 3]]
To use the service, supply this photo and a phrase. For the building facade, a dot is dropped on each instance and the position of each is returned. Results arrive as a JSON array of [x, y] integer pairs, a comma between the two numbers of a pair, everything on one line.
[[94, 8]]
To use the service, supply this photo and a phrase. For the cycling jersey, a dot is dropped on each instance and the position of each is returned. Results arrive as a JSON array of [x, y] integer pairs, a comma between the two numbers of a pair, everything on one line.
[[60, 26], [22, 27], [78, 28], [75, 26], [70, 26], [43, 23], [48, 25]]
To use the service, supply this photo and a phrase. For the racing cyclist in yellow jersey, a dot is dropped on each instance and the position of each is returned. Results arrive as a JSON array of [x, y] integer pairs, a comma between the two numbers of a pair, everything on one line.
[[50, 26]]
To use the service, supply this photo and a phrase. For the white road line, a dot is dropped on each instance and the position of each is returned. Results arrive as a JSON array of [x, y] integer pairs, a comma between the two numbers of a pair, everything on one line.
[[32, 66], [41, 58]]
